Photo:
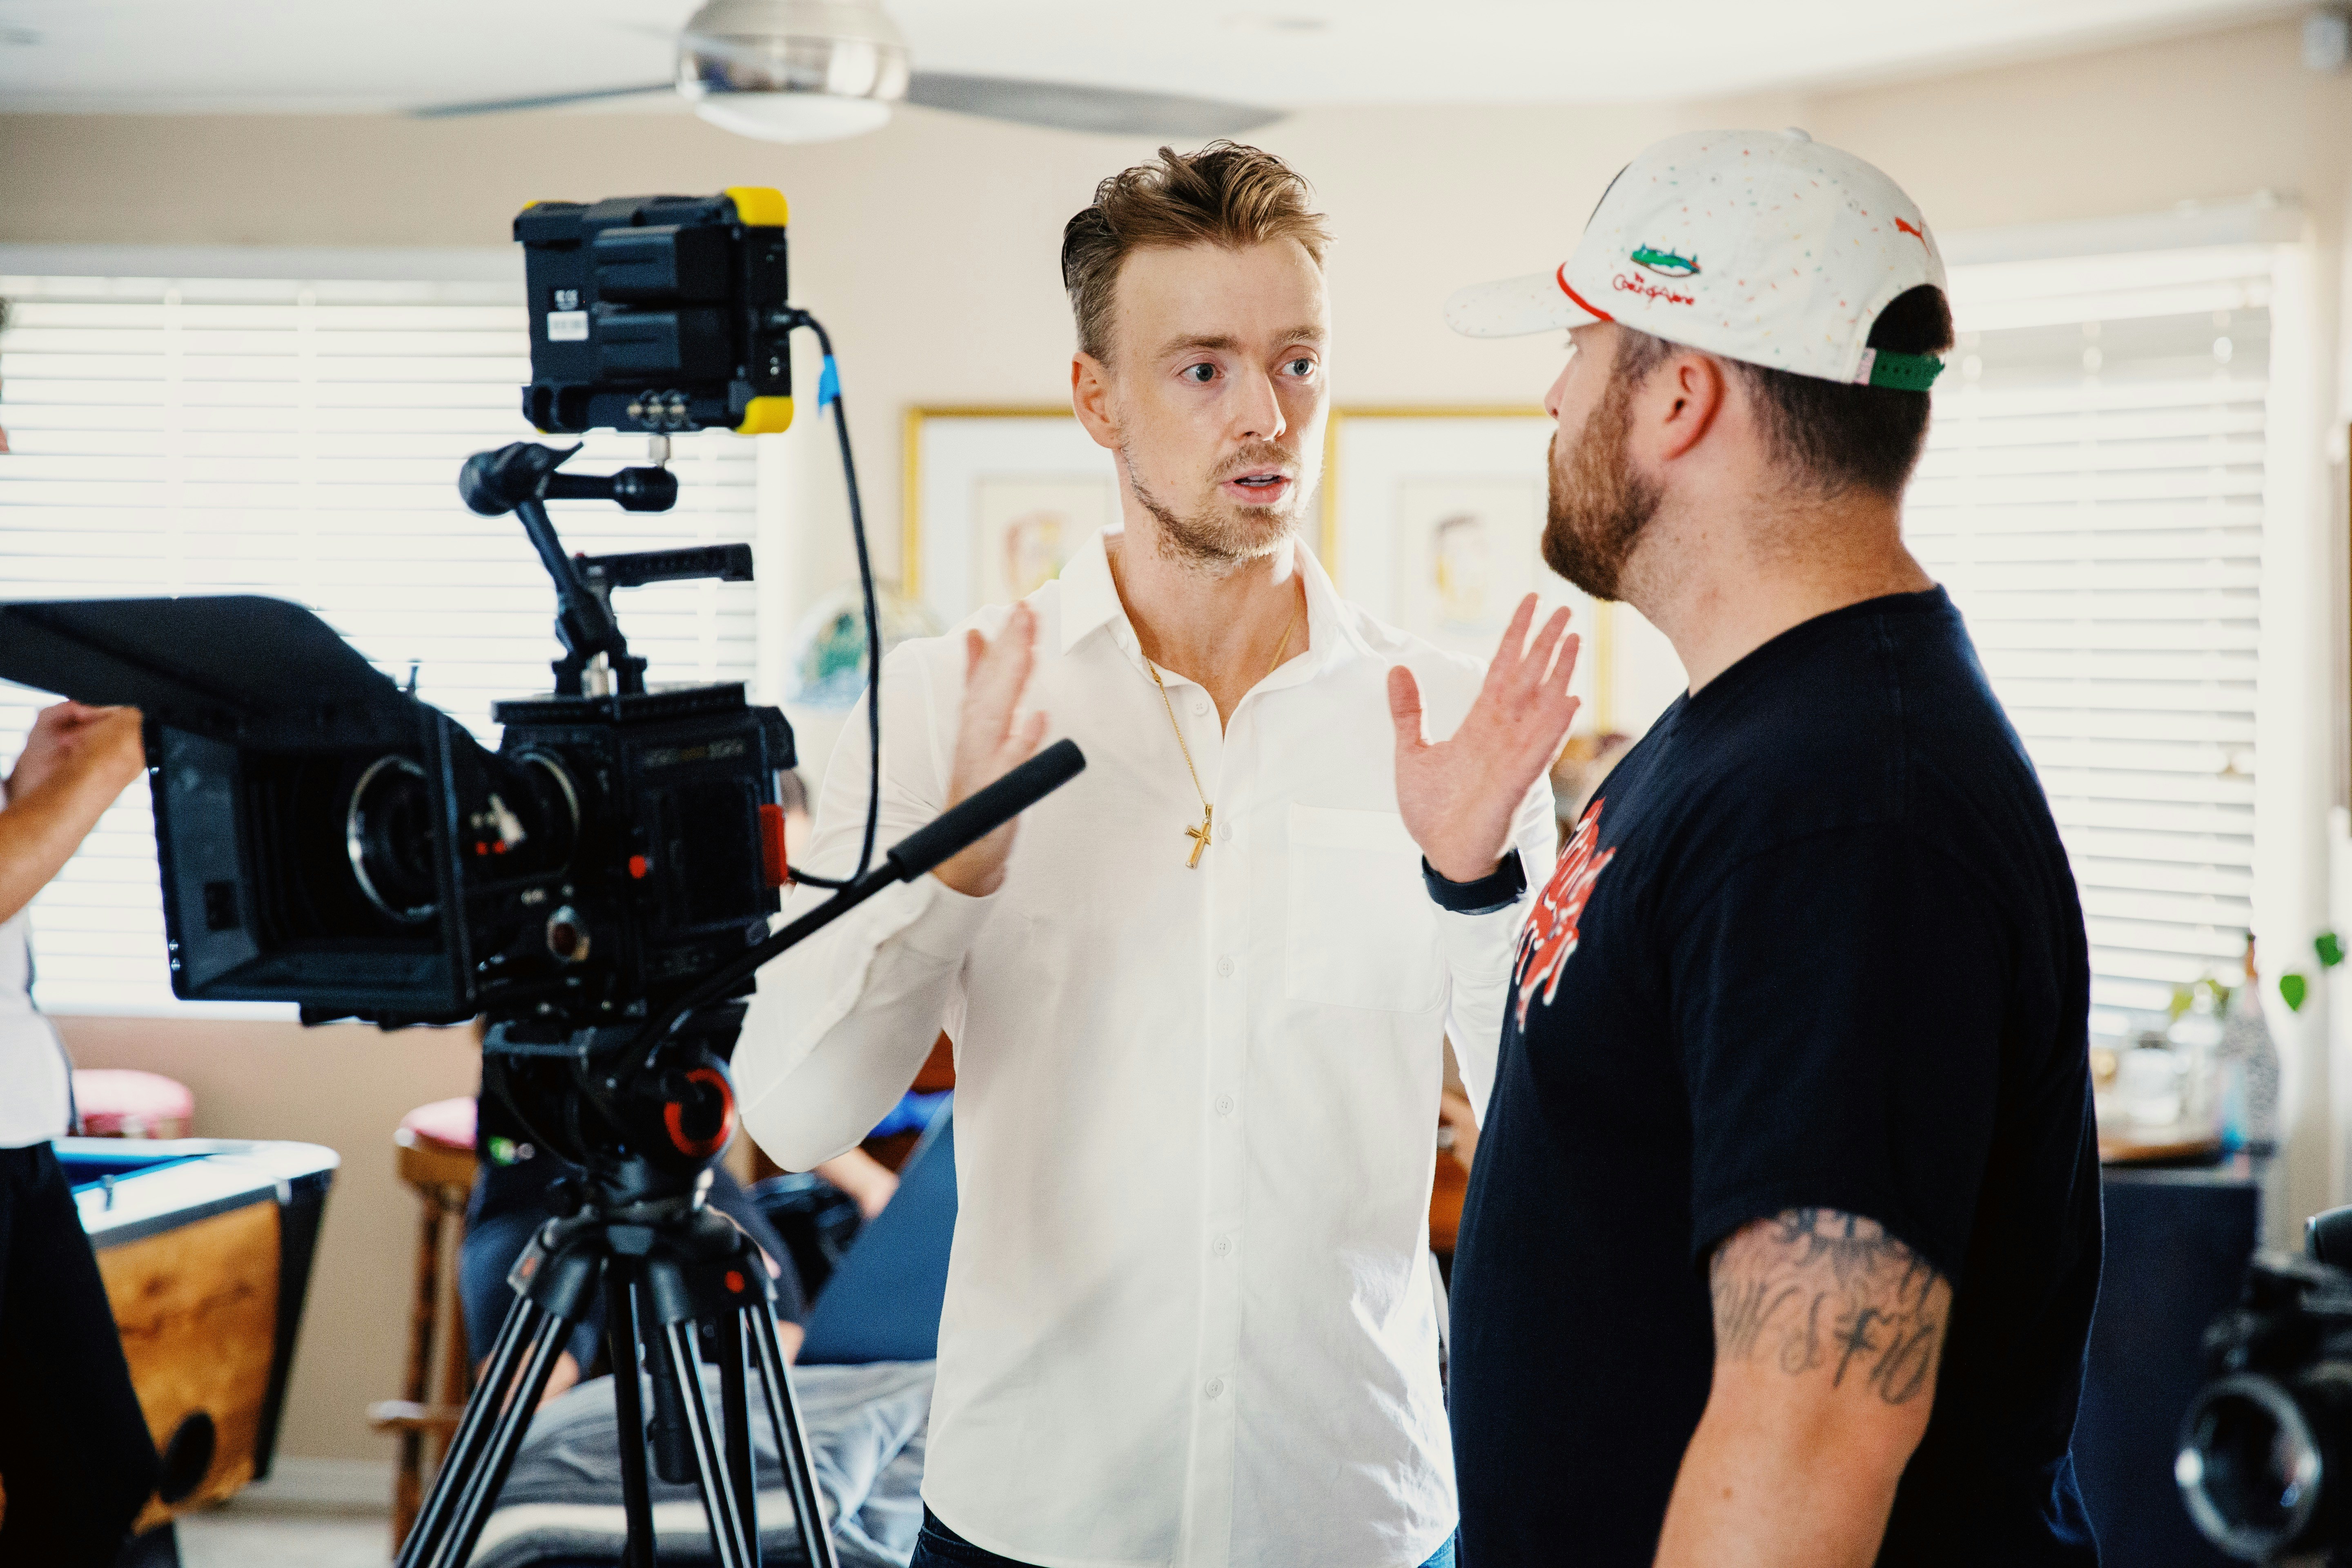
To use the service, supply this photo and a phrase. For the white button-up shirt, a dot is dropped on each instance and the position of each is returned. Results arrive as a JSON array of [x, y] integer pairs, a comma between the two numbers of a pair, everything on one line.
[[1189, 1317]]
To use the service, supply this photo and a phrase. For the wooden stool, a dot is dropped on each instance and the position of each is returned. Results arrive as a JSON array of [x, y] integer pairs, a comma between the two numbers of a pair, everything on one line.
[[434, 1152]]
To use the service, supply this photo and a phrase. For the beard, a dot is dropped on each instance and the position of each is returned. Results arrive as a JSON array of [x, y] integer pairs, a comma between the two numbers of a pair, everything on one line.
[[1216, 535], [1598, 506]]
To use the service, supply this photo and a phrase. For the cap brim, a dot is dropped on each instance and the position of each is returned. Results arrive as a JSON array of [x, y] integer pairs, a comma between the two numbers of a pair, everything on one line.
[[1514, 307]]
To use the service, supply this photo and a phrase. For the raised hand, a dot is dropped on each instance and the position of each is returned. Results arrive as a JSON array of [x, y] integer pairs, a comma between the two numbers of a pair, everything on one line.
[[1459, 795], [75, 745], [992, 738]]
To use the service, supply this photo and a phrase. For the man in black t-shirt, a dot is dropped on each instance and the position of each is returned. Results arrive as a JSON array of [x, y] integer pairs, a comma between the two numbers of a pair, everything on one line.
[[1783, 1237]]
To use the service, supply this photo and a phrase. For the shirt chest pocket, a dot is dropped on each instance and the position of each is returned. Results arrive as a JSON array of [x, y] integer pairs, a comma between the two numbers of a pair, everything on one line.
[[1361, 932]]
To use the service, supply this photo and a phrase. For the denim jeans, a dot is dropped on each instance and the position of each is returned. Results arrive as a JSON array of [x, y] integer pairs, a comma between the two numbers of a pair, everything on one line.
[[940, 1547]]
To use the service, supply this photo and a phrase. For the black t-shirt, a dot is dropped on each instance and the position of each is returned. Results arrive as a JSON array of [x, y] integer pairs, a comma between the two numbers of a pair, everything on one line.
[[1815, 944]]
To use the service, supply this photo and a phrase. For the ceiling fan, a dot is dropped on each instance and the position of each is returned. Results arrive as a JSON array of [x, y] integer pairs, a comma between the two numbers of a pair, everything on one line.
[[811, 70]]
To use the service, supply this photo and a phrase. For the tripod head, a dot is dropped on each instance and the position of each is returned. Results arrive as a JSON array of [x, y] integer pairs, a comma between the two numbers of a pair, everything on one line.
[[643, 1126]]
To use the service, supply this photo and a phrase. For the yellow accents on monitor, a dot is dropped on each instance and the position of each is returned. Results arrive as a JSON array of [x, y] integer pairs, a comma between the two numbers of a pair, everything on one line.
[[766, 415], [760, 207]]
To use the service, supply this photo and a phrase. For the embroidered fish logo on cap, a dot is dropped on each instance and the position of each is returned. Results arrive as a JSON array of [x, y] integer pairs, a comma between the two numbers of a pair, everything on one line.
[[1665, 263]]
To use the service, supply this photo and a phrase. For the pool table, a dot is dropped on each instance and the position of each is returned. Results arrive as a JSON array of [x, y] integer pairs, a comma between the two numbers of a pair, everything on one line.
[[205, 1247]]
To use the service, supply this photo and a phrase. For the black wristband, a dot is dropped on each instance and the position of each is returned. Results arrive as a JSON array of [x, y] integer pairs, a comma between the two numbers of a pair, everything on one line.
[[1497, 889]]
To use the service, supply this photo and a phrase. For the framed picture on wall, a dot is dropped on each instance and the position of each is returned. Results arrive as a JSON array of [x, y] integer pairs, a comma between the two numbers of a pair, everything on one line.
[[1432, 520], [996, 500]]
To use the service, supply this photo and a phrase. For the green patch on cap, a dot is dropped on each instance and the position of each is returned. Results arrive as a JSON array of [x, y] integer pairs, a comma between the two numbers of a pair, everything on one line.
[[1666, 261], [1904, 373]]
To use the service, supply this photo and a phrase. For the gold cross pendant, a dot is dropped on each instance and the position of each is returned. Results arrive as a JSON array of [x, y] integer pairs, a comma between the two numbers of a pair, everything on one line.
[[1200, 835]]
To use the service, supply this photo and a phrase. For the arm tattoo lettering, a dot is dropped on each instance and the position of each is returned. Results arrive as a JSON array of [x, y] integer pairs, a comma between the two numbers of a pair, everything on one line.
[[1814, 1288]]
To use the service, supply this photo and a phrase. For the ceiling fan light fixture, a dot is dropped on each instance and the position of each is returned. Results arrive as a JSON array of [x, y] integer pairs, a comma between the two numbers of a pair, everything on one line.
[[847, 48], [792, 70], [792, 116]]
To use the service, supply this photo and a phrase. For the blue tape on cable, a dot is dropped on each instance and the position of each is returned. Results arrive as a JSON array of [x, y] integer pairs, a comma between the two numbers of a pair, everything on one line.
[[828, 385]]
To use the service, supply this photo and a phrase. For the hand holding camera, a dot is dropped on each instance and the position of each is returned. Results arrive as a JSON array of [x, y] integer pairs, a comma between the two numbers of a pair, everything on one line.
[[73, 744]]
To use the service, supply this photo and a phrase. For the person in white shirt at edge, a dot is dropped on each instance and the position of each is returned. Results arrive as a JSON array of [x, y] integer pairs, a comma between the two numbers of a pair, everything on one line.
[[75, 1455], [1198, 1001]]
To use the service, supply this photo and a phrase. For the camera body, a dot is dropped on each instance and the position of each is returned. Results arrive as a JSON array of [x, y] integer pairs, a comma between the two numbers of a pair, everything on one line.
[[2264, 1444], [612, 849]]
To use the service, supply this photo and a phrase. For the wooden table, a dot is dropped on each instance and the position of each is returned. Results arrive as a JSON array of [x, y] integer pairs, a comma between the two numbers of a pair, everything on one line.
[[205, 1247]]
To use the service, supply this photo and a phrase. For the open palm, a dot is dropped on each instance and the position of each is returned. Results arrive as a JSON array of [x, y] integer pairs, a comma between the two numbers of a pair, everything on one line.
[[1458, 795]]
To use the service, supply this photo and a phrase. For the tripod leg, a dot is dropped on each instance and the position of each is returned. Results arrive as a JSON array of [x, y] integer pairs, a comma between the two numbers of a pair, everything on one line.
[[735, 1416], [726, 1512], [459, 1460], [792, 1439], [488, 1478], [628, 1411]]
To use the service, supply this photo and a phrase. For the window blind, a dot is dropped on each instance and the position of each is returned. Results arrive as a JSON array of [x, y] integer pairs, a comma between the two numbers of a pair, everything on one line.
[[301, 438], [2093, 496]]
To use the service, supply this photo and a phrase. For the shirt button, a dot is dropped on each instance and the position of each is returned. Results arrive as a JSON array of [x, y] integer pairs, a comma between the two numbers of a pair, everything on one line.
[[1222, 1245], [1225, 968], [1200, 706], [1214, 1389], [1224, 1105]]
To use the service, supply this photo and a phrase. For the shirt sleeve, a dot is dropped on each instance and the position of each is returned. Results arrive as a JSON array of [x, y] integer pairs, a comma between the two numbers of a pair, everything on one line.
[[1479, 948], [840, 1023], [1838, 1002]]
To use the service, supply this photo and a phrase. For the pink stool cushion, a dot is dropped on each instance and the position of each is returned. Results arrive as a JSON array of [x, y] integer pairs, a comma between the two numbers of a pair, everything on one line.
[[119, 1102], [448, 1123]]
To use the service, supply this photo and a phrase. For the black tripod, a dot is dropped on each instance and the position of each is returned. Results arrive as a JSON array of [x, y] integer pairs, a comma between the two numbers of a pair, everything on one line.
[[674, 1275]]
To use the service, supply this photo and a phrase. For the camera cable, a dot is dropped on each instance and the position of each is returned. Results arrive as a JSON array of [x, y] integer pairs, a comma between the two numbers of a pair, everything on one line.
[[828, 394]]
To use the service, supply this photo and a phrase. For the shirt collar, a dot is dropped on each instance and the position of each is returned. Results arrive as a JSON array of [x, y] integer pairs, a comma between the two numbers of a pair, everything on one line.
[[1091, 601], [1089, 597]]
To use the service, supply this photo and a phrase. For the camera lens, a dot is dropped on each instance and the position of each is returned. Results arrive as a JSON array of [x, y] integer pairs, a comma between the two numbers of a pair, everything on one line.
[[2248, 1467], [388, 833]]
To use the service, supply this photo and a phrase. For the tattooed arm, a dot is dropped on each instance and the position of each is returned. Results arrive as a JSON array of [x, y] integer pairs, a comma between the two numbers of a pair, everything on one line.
[[1828, 1333]]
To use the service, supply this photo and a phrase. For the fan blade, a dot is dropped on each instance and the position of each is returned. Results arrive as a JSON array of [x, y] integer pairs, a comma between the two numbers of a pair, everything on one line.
[[550, 101], [1066, 105]]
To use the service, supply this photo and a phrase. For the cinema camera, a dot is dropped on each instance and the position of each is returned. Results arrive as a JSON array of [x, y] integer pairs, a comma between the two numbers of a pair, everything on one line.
[[598, 890], [2264, 1448]]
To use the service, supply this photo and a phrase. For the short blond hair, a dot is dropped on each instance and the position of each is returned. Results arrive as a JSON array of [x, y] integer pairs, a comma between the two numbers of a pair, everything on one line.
[[1224, 194]]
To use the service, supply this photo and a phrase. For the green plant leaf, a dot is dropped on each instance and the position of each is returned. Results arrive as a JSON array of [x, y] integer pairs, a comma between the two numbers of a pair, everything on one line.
[[2330, 948], [2293, 987]]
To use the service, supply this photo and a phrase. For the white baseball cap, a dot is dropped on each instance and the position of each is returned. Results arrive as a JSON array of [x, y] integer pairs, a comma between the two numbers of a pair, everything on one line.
[[1760, 246]]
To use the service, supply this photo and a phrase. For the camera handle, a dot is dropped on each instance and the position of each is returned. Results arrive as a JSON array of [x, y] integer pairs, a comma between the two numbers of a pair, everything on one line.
[[963, 823], [928, 846]]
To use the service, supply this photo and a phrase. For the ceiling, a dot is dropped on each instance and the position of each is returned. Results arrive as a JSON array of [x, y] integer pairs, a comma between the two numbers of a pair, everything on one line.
[[371, 56]]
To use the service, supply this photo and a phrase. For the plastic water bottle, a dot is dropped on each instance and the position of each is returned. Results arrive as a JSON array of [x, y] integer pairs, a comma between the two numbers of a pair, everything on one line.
[[2250, 1070]]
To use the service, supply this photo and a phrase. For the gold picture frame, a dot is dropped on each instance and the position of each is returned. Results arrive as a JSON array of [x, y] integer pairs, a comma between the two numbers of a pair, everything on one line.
[[1598, 619], [915, 528]]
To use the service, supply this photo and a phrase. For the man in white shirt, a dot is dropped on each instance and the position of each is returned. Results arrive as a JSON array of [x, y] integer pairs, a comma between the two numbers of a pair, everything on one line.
[[1199, 1000]]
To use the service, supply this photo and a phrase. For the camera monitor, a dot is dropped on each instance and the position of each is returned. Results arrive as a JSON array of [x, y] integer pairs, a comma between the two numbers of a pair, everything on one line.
[[657, 314]]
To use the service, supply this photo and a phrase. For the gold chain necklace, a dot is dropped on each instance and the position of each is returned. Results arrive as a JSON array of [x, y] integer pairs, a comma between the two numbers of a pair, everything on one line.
[[1200, 835]]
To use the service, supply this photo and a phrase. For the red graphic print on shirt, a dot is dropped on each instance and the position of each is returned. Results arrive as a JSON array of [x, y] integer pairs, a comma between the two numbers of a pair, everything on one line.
[[1550, 939]]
